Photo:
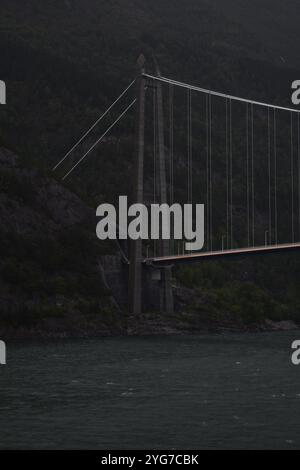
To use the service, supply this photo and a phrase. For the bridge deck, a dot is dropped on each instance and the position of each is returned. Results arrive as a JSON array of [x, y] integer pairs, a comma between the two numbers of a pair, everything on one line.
[[203, 255]]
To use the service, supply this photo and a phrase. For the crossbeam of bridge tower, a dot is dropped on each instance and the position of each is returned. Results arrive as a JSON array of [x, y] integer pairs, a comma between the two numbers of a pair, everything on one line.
[[166, 293], [136, 259]]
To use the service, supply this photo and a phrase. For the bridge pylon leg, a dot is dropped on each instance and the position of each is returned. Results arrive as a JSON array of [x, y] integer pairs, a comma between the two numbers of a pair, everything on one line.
[[166, 296], [135, 269]]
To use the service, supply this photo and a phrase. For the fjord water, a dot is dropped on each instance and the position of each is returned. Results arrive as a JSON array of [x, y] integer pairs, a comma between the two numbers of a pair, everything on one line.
[[179, 392]]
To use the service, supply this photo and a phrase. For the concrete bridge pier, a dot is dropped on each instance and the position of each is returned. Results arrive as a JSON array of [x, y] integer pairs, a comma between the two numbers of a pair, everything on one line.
[[157, 289], [166, 291]]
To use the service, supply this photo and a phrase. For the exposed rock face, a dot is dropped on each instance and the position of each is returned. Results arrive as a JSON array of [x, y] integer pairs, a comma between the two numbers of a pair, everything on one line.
[[115, 275], [31, 203], [51, 274], [57, 279], [284, 325]]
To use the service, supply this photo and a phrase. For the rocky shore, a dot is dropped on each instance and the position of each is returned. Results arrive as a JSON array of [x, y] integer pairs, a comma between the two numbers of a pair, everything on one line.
[[147, 325]]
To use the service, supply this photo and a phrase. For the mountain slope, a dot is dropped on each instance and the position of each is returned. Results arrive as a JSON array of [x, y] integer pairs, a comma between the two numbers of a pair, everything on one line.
[[274, 23], [64, 63], [50, 277]]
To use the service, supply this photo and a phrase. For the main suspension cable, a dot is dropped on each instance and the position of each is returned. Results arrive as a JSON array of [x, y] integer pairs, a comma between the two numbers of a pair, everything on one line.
[[93, 126], [215, 93], [100, 139]]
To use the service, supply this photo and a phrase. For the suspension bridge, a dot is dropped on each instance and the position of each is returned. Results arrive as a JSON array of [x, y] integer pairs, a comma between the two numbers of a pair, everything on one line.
[[239, 157]]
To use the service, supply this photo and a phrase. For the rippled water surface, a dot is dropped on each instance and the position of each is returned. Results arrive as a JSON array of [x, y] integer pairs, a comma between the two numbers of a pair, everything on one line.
[[179, 392]]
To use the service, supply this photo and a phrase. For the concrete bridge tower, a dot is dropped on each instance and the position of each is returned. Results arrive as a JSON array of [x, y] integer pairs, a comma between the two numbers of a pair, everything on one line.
[[137, 274]]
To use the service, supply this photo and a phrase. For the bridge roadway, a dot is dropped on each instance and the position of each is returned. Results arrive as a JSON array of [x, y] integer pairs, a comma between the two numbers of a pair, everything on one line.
[[205, 255]]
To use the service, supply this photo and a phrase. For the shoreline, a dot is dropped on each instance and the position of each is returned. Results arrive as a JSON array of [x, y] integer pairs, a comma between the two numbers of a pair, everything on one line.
[[142, 329]]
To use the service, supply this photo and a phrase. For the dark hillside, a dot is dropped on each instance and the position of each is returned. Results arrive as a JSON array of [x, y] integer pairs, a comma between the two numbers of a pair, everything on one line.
[[64, 62], [273, 22], [50, 269]]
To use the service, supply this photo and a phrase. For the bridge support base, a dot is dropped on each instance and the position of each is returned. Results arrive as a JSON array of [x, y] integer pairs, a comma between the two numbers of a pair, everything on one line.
[[166, 292], [158, 291]]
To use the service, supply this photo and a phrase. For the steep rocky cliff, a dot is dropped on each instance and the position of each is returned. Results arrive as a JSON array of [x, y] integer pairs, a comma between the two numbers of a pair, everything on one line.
[[51, 273]]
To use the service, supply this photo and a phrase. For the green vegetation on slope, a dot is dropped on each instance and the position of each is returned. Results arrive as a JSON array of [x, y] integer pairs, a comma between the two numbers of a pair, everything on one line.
[[64, 62]]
